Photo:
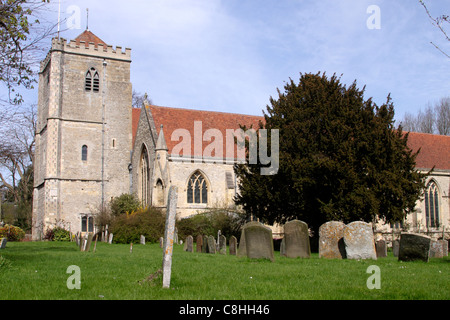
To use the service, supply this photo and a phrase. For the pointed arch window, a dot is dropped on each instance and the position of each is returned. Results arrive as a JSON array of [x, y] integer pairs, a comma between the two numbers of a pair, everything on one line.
[[432, 205], [197, 190], [92, 80], [143, 178]]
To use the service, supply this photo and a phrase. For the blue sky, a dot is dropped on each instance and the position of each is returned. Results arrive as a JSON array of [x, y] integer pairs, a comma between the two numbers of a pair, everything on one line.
[[232, 55]]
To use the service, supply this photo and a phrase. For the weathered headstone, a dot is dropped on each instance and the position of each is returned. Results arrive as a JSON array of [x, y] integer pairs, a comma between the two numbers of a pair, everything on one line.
[[199, 243], [211, 245], [205, 245], [242, 250], [233, 245], [89, 241], [161, 242], [331, 240], [436, 249], [395, 247], [189, 244], [111, 236], [169, 234], [381, 248], [414, 247], [3, 243], [222, 244], [283, 247], [359, 242], [142, 239], [296, 239], [258, 241], [444, 247]]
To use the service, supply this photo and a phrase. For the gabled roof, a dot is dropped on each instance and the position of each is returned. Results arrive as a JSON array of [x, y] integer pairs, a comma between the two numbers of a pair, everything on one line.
[[177, 118], [434, 149], [87, 36]]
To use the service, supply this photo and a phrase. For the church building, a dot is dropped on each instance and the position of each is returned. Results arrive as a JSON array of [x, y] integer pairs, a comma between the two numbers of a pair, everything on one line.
[[92, 146]]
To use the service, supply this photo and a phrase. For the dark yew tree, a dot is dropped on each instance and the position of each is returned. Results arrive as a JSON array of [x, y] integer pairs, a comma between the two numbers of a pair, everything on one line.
[[340, 158]]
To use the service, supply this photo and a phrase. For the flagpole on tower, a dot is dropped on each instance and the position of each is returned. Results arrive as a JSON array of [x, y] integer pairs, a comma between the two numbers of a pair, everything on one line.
[[59, 15]]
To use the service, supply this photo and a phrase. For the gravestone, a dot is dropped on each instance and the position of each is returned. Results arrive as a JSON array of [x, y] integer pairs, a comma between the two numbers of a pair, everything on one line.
[[331, 242], [3, 243], [381, 248], [395, 247], [283, 247], [242, 250], [414, 247], [296, 240], [142, 239], [258, 241], [111, 236], [169, 233], [161, 242], [233, 245], [436, 249], [444, 247], [89, 241], [205, 245], [211, 245], [359, 242], [199, 243], [189, 244], [222, 244]]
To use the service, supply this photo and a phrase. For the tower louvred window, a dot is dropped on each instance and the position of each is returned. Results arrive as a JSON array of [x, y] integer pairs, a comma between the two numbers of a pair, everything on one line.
[[92, 80]]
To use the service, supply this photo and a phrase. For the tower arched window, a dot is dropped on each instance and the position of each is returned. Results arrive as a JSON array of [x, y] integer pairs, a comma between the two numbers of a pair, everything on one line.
[[432, 205], [84, 153], [197, 190], [92, 80]]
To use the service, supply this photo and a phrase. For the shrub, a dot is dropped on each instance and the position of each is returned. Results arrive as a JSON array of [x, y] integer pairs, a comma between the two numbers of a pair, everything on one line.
[[148, 222], [61, 234], [209, 223], [12, 233], [124, 203]]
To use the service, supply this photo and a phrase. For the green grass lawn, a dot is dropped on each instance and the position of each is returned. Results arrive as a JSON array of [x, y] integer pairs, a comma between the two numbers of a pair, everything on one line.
[[37, 270]]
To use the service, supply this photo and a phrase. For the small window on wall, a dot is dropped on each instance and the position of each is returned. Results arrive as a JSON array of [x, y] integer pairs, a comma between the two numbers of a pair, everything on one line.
[[84, 153], [92, 80], [87, 224]]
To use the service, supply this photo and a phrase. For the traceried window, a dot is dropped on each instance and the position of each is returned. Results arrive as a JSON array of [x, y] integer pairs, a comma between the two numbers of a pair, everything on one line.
[[87, 224], [197, 190], [432, 205], [92, 80], [84, 153], [143, 177]]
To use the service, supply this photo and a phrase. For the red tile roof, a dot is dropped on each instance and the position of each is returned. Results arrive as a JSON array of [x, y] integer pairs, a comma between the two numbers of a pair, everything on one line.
[[435, 149], [87, 36]]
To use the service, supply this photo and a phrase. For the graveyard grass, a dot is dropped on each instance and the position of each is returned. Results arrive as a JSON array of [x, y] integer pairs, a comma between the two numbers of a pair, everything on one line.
[[37, 270]]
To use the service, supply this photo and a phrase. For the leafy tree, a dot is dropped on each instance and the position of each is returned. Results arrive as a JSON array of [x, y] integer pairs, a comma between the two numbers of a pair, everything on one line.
[[340, 158]]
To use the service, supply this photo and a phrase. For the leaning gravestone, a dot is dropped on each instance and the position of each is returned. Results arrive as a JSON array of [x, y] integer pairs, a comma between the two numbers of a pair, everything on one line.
[[211, 245], [233, 245], [359, 242], [199, 243], [89, 241], [331, 243], [414, 247], [3, 243], [381, 248], [189, 244], [296, 240], [222, 244], [169, 234], [258, 241]]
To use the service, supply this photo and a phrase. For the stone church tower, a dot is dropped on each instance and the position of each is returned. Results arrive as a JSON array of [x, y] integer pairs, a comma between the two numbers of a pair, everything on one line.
[[84, 123]]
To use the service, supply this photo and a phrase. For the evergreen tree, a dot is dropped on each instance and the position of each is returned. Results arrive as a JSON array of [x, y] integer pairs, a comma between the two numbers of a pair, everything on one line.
[[340, 158]]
